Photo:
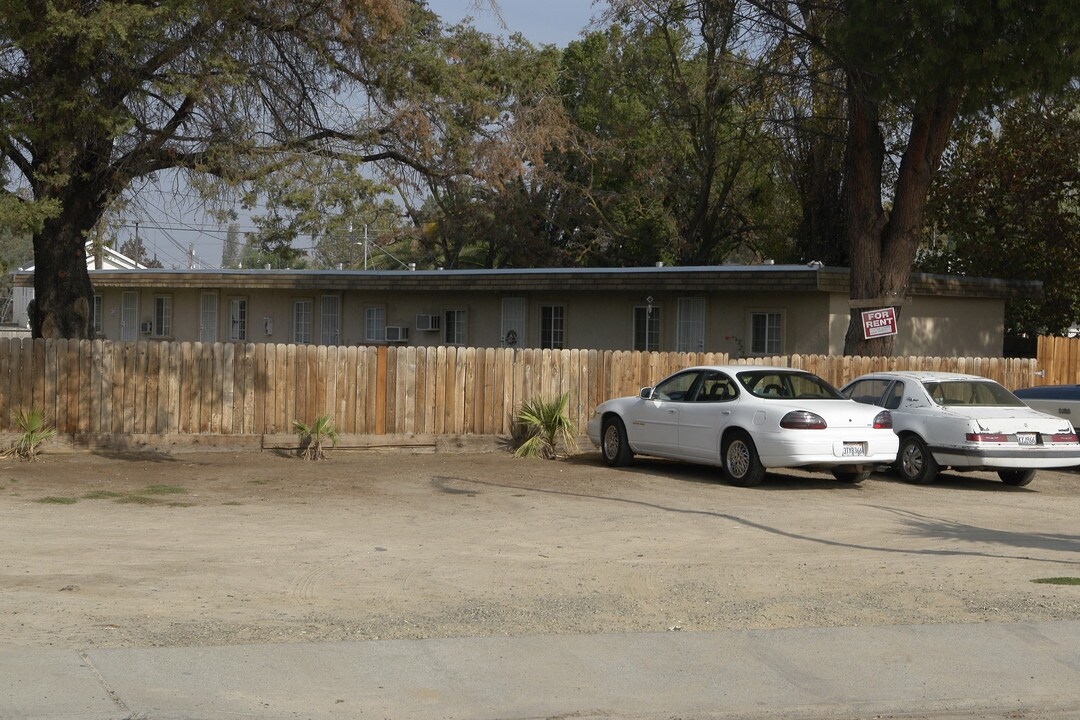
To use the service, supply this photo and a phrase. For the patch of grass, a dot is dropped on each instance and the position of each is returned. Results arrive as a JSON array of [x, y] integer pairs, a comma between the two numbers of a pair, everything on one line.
[[1058, 581], [102, 495], [164, 490], [54, 500], [137, 500], [232, 502], [180, 504]]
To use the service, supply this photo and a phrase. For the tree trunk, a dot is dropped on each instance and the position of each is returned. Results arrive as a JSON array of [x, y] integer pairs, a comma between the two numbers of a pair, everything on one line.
[[63, 295], [883, 245]]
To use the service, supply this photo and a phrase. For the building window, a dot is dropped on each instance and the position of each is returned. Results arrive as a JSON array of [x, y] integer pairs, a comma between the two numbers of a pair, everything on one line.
[[238, 318], [208, 317], [162, 316], [330, 320], [647, 327], [454, 327], [766, 330], [129, 316], [374, 325], [552, 326], [691, 325], [98, 319], [302, 316]]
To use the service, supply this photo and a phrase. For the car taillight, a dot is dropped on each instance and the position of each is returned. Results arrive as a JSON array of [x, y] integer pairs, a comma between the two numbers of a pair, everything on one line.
[[1063, 438], [987, 437], [803, 420], [883, 420]]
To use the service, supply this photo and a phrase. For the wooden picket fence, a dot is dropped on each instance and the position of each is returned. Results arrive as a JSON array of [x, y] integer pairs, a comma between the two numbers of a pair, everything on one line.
[[1059, 360], [118, 388]]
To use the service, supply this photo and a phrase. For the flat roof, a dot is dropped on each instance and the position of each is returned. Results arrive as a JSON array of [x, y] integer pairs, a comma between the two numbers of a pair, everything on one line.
[[709, 278]]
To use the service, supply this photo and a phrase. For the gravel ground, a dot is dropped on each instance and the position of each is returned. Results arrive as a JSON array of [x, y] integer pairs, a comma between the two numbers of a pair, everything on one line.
[[225, 548]]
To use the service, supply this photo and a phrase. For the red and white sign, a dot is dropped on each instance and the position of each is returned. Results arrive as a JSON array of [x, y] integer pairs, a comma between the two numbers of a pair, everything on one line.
[[878, 323]]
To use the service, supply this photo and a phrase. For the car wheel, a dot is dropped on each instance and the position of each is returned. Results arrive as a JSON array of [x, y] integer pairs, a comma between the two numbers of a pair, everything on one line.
[[850, 476], [1016, 478], [742, 466], [613, 443], [914, 461]]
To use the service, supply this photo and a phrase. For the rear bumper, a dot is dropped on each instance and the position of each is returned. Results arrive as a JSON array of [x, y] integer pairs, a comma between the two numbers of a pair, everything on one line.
[[1035, 457], [827, 450]]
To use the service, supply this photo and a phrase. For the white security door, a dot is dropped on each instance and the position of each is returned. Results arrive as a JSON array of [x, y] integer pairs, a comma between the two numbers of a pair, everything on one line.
[[513, 323], [691, 324], [208, 312], [129, 316]]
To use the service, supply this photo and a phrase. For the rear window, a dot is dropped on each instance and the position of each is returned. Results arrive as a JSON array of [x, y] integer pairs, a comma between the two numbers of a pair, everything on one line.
[[982, 393], [787, 385]]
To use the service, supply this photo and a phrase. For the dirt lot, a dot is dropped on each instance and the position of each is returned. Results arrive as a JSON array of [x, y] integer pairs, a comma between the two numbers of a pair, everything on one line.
[[222, 548]]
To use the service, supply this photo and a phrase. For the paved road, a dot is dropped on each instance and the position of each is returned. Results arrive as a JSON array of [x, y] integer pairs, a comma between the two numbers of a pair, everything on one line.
[[1028, 671]]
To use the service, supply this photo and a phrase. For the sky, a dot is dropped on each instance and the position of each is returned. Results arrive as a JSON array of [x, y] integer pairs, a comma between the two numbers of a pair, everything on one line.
[[169, 227], [549, 22]]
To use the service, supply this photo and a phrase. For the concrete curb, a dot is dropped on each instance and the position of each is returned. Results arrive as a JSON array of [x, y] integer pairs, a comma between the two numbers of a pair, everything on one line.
[[1025, 670]]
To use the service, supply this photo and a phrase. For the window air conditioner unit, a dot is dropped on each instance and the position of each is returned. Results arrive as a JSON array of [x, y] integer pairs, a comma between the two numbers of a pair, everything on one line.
[[146, 327], [396, 333], [427, 322]]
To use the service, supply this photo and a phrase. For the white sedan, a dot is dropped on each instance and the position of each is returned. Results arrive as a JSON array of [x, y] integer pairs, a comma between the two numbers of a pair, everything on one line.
[[965, 422], [746, 419]]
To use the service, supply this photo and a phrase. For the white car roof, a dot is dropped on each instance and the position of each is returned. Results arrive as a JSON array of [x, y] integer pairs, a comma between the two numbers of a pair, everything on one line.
[[923, 376], [730, 369]]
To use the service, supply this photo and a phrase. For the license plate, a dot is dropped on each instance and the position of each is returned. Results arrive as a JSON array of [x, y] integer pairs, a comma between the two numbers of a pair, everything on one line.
[[854, 449], [1025, 439]]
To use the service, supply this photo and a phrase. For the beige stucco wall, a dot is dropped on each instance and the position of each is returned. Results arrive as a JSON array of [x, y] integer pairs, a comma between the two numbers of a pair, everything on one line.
[[813, 322], [935, 326]]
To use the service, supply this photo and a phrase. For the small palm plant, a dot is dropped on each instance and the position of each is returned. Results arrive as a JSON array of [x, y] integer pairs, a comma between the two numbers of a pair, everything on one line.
[[34, 430], [546, 424], [313, 438]]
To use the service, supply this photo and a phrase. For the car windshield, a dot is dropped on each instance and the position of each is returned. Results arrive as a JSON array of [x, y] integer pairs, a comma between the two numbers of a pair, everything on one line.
[[983, 393], [771, 384]]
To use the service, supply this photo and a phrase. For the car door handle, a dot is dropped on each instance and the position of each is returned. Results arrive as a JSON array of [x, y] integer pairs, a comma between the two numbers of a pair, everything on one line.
[[725, 412]]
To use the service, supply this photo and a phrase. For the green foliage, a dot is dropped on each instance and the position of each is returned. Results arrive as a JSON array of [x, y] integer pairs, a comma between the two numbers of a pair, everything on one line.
[[675, 164], [137, 251], [1006, 205], [231, 247], [56, 500], [983, 51], [34, 430], [546, 426], [313, 438], [164, 490]]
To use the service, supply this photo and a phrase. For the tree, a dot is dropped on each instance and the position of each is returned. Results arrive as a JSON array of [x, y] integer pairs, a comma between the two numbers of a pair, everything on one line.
[[499, 116], [676, 164], [95, 95], [230, 247], [1007, 204], [806, 91], [359, 235], [136, 250], [929, 60]]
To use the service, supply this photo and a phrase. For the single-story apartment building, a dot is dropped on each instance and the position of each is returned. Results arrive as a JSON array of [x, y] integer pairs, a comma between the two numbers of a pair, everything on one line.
[[742, 310]]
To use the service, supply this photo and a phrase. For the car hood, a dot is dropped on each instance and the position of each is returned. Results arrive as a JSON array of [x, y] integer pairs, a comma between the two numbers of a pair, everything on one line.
[[1008, 419]]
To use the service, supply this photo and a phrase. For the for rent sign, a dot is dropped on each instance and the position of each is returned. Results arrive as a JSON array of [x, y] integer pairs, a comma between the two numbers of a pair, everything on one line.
[[878, 323]]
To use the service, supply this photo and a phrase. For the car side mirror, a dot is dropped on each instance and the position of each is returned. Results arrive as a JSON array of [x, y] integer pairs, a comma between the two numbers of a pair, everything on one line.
[[646, 393]]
